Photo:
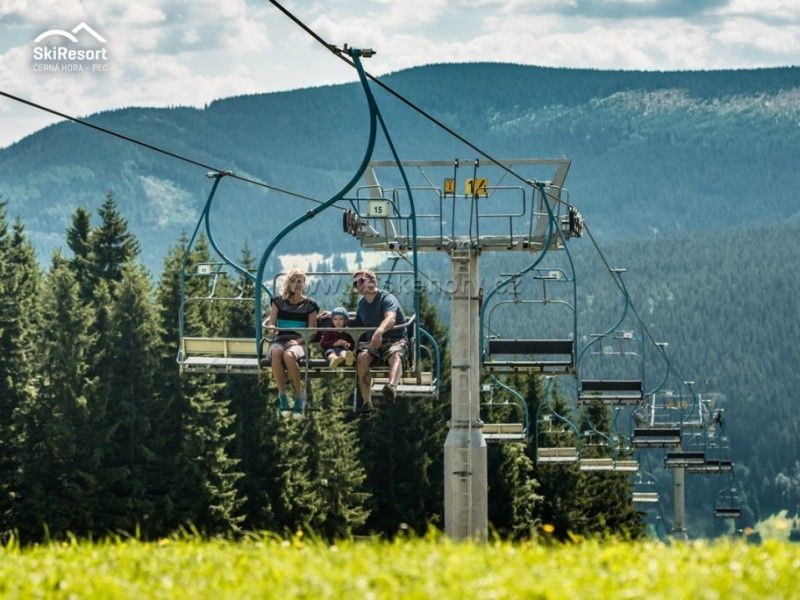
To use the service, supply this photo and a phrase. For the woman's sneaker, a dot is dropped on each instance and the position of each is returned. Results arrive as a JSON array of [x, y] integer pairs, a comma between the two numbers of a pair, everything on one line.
[[283, 406], [335, 361], [349, 358], [299, 406]]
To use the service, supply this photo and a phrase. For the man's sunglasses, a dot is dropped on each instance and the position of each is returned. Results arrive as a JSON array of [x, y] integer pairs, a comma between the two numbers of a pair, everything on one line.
[[359, 281]]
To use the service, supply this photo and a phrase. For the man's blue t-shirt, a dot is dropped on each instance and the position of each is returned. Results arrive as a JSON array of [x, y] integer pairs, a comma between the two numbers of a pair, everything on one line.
[[370, 314]]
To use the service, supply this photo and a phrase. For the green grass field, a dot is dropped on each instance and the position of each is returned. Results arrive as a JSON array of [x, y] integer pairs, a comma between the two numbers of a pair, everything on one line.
[[267, 567]]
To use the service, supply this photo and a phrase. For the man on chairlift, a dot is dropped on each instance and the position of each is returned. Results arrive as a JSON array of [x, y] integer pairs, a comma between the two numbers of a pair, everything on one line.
[[388, 344]]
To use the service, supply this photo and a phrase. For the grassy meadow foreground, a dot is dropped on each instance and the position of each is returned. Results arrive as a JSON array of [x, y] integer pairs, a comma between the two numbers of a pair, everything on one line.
[[428, 568]]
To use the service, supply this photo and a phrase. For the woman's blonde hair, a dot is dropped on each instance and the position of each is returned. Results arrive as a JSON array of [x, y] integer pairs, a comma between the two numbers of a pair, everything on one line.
[[287, 282]]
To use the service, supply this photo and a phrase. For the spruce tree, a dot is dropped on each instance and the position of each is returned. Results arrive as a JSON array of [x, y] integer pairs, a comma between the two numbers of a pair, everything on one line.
[[512, 491], [112, 245], [604, 499], [557, 482], [60, 476], [332, 441], [206, 478], [19, 329], [131, 461], [255, 442], [79, 241]]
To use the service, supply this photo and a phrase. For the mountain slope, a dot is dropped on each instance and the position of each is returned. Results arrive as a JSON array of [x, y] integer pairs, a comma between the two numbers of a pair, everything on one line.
[[651, 151]]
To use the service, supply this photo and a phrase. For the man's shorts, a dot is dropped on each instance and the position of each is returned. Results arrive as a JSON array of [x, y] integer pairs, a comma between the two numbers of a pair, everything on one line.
[[298, 351], [389, 347]]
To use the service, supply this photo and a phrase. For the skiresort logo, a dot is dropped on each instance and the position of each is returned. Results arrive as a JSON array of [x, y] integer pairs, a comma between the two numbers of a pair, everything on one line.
[[59, 51]]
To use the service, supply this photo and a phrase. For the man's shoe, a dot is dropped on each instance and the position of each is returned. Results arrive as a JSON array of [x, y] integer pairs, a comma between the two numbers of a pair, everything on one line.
[[349, 358], [389, 393]]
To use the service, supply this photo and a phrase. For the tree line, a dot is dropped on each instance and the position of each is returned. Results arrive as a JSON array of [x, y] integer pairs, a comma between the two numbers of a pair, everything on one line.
[[101, 435]]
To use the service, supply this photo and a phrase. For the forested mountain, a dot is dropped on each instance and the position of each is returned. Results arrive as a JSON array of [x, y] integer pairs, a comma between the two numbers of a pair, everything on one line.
[[651, 151]]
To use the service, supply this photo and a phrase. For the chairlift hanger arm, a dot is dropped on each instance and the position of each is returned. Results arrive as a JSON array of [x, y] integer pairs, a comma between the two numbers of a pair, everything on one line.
[[373, 114]]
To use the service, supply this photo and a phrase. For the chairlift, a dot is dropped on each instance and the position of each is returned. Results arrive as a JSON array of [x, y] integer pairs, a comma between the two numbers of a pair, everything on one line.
[[645, 489], [718, 455], [615, 345], [505, 353], [560, 434], [512, 401], [728, 504]]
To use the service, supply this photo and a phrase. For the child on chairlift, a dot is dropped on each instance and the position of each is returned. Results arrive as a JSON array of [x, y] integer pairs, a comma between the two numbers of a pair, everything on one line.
[[338, 346]]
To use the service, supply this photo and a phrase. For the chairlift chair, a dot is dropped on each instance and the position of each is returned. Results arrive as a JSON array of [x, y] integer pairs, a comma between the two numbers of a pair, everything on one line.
[[562, 453], [645, 489], [504, 353], [514, 432], [728, 504]]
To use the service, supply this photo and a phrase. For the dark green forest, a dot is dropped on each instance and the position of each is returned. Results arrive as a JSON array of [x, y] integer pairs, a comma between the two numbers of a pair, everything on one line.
[[102, 435]]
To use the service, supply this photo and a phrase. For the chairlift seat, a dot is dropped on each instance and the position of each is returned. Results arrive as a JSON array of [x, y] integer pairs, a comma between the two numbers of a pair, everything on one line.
[[679, 459], [626, 466], [656, 437], [407, 387], [503, 432], [727, 512], [557, 455], [218, 355], [533, 351], [596, 464], [611, 392], [645, 497], [711, 466], [238, 355]]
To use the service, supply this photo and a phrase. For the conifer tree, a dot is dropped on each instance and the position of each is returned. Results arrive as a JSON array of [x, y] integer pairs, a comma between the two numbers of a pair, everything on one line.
[[206, 482], [557, 483], [131, 465], [112, 245], [512, 491], [604, 498], [337, 471], [255, 442], [79, 241], [19, 324], [60, 476]]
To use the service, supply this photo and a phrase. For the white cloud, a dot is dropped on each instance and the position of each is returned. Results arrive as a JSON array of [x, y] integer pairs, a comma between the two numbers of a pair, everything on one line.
[[166, 52], [787, 11]]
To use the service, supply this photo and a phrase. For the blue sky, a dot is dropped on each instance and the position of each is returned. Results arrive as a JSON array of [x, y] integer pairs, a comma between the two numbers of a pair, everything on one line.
[[189, 52]]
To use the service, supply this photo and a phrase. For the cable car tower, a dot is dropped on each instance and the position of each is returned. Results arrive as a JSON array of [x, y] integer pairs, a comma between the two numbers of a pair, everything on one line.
[[463, 209]]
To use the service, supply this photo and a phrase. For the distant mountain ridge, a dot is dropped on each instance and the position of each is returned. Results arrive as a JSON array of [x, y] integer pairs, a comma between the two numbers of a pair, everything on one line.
[[652, 151]]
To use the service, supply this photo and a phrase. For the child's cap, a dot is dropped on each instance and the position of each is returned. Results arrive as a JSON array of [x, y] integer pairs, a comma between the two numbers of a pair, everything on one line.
[[339, 311]]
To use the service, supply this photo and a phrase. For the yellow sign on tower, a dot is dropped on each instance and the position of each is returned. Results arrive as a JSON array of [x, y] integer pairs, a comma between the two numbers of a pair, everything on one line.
[[476, 187]]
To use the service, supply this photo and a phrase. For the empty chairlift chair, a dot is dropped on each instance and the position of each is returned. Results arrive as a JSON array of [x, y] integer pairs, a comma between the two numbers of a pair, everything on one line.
[[504, 353], [657, 425], [728, 504], [509, 403], [611, 365], [563, 451], [645, 490]]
